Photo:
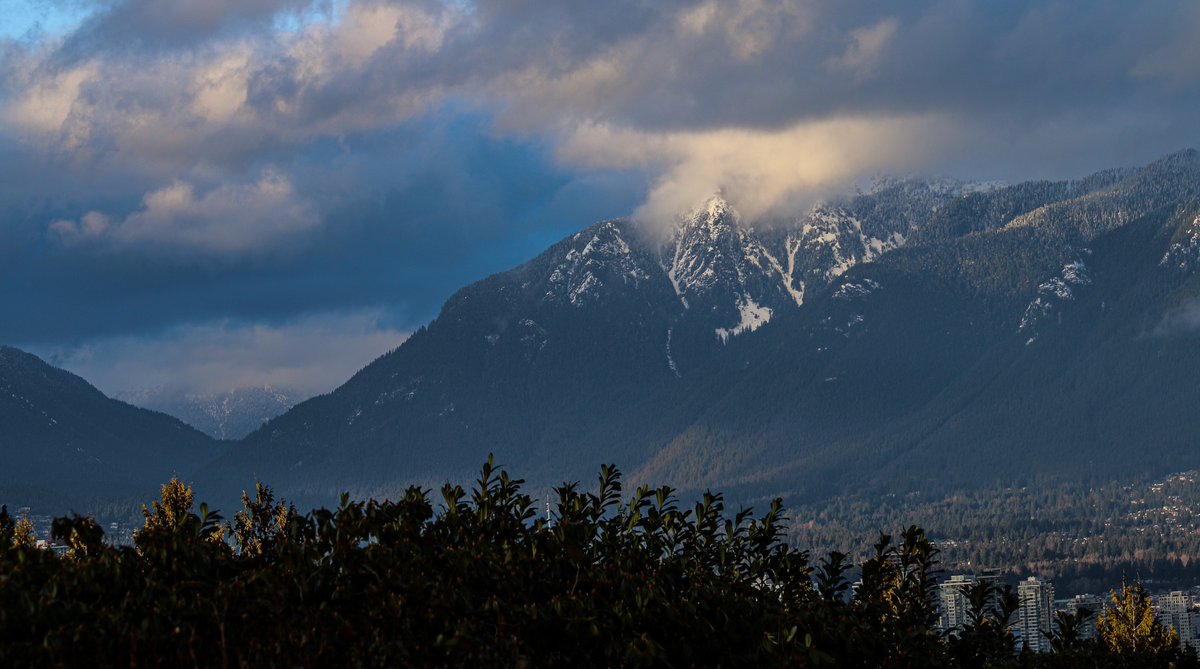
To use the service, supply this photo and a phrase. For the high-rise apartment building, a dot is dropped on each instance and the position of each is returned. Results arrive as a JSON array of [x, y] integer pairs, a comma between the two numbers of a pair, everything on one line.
[[1177, 611], [1036, 614], [953, 601], [953, 610]]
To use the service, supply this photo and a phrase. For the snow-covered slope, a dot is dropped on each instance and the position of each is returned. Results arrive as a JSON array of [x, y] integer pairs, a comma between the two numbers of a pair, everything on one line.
[[228, 415], [741, 275], [720, 268], [595, 261]]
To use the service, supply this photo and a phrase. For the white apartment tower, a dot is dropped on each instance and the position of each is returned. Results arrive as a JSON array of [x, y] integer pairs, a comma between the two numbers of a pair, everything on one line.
[[1175, 610], [953, 610], [953, 600], [1036, 615]]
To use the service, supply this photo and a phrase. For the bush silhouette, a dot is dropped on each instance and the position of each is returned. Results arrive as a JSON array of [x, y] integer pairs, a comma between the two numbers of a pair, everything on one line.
[[479, 578]]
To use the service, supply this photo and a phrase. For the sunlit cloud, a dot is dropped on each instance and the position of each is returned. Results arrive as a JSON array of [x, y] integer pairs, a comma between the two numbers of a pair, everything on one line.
[[229, 219], [760, 171]]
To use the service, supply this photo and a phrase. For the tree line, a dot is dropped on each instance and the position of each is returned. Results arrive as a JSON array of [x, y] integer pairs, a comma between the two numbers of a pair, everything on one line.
[[482, 577], [1087, 538]]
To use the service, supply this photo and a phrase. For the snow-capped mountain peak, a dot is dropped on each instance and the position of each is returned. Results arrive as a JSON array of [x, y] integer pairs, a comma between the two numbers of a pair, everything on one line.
[[722, 266], [595, 258], [729, 275], [704, 249], [715, 208]]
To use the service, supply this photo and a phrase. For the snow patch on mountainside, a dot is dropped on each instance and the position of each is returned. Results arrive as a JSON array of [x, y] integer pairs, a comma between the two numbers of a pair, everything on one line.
[[671, 359], [50, 421], [822, 236], [794, 287], [675, 284], [851, 291], [752, 316], [938, 185], [1053, 292], [406, 391], [714, 263], [701, 250], [720, 268], [1184, 254], [757, 254], [833, 240]]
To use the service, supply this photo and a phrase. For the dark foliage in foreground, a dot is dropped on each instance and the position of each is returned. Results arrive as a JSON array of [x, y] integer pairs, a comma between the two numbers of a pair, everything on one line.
[[483, 580]]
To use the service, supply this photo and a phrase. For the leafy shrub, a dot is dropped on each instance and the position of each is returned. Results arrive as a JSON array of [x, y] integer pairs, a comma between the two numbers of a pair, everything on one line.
[[480, 579]]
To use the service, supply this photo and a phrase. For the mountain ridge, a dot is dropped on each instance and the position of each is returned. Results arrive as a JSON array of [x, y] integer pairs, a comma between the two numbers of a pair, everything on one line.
[[919, 334], [63, 433], [228, 415], [716, 280]]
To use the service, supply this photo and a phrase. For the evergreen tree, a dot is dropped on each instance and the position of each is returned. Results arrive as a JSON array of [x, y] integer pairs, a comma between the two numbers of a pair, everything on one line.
[[23, 535], [1128, 628]]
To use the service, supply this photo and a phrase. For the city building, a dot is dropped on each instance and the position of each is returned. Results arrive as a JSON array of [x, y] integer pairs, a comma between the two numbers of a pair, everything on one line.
[[952, 600], [1177, 611], [1093, 603], [1036, 613]]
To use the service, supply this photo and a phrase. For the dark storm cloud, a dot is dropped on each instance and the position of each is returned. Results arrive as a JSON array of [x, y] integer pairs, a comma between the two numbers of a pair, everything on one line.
[[770, 64], [685, 65], [418, 212], [1006, 70]]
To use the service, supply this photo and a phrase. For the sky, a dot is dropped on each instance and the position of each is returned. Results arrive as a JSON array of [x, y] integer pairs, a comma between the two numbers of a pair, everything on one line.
[[206, 195]]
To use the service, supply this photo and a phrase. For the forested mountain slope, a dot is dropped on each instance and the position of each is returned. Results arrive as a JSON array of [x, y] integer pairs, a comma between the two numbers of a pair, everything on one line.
[[60, 433], [921, 332]]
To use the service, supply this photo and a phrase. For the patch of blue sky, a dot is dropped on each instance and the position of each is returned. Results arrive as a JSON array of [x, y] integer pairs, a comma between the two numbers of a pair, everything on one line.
[[33, 20], [328, 12]]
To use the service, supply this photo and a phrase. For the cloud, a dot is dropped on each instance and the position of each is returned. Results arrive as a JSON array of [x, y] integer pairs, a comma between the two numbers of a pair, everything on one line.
[[132, 25], [1184, 321], [227, 220], [221, 98], [748, 27], [406, 217], [308, 356], [759, 171], [46, 103], [1177, 60], [867, 45], [237, 86]]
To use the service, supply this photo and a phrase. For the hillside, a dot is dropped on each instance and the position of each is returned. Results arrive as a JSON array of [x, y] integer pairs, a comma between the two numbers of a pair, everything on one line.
[[921, 333], [61, 434], [1063, 348]]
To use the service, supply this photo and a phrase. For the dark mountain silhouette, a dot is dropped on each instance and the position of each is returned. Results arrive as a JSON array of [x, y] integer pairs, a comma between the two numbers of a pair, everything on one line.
[[60, 433]]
